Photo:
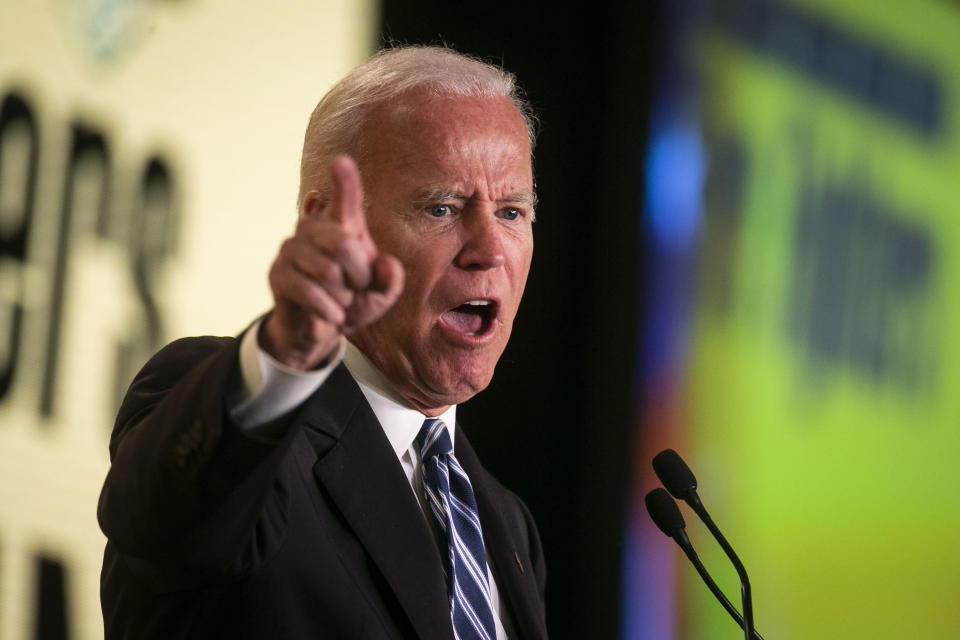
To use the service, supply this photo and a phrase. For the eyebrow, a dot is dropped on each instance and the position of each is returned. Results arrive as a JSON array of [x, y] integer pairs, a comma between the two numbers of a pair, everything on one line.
[[440, 194]]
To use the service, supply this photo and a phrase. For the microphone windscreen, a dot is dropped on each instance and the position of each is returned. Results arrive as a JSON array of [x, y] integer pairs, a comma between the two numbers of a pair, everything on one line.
[[664, 512], [674, 473]]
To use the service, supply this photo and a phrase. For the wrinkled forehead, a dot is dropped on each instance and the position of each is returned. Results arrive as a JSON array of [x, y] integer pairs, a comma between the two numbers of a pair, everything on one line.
[[448, 131], [446, 118]]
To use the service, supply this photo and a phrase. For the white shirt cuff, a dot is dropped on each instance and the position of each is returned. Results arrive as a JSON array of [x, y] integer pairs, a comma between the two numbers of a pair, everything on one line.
[[270, 388]]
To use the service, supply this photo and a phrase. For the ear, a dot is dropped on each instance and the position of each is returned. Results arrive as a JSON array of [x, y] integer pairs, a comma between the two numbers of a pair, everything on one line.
[[313, 204]]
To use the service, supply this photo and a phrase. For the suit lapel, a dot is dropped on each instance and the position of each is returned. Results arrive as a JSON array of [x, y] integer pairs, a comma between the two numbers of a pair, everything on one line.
[[361, 472], [504, 546]]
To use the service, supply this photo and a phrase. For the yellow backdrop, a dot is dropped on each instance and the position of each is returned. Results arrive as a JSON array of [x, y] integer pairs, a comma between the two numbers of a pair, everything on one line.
[[166, 138]]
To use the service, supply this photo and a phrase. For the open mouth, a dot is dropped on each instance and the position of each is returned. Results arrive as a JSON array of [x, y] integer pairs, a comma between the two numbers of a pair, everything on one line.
[[472, 318]]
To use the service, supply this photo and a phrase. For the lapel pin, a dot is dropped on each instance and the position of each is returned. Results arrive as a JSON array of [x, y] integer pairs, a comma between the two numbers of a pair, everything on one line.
[[516, 557]]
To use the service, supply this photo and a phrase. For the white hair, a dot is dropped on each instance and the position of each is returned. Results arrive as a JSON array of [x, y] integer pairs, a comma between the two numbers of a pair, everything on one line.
[[337, 123]]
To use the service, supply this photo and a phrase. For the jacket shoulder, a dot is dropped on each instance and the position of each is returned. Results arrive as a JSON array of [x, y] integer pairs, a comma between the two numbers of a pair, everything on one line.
[[164, 370]]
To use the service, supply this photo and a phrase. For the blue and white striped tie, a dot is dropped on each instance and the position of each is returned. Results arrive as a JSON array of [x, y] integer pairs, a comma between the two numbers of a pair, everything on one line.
[[450, 498]]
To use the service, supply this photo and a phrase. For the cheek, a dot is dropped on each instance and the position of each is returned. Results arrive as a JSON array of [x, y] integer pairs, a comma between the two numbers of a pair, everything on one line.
[[522, 260], [415, 309], [425, 268]]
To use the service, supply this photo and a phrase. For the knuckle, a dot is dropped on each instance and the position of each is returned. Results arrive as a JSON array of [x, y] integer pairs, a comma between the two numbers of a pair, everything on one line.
[[287, 248], [276, 275], [329, 272], [343, 296]]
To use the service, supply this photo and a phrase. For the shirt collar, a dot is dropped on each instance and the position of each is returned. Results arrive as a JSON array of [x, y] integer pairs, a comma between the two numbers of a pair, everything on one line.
[[400, 423]]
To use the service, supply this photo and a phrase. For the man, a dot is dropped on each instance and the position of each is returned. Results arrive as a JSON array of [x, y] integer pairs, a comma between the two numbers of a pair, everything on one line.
[[292, 483]]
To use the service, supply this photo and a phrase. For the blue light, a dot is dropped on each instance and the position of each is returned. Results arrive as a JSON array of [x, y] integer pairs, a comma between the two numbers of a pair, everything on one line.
[[675, 173]]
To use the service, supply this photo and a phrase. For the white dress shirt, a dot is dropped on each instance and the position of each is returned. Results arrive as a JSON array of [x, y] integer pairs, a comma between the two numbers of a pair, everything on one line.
[[272, 390]]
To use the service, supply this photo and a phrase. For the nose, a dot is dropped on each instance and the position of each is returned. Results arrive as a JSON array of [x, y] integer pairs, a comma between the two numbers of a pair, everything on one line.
[[482, 242]]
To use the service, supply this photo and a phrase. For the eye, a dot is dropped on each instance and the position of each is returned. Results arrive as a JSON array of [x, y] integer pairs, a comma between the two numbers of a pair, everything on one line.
[[438, 210], [510, 213]]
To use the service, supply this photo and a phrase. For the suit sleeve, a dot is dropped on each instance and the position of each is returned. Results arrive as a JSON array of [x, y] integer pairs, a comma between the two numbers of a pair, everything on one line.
[[187, 490]]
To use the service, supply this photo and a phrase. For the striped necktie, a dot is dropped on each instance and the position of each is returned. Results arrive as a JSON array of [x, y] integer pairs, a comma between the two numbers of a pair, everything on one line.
[[454, 509]]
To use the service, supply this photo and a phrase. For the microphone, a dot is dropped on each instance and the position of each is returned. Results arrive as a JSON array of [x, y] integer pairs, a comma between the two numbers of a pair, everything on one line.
[[666, 515], [682, 484]]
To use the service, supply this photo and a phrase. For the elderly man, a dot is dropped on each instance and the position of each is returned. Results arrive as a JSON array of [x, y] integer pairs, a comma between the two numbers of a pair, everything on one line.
[[309, 480]]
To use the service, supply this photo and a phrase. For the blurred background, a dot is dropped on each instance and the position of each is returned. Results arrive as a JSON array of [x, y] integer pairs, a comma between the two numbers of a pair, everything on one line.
[[747, 249]]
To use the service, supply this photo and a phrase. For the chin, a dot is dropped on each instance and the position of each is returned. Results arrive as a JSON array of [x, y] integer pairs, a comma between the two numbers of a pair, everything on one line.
[[455, 384], [469, 384]]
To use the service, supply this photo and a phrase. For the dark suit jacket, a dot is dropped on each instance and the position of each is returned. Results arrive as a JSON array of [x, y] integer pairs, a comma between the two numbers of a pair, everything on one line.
[[310, 531]]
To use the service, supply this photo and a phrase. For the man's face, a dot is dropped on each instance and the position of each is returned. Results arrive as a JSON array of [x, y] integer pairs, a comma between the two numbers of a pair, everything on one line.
[[448, 189]]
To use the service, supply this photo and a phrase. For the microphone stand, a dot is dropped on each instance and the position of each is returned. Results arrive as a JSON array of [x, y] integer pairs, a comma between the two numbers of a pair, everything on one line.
[[677, 477], [692, 499]]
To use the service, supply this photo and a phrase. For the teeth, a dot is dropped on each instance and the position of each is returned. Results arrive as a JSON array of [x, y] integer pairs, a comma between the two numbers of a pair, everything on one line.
[[477, 303]]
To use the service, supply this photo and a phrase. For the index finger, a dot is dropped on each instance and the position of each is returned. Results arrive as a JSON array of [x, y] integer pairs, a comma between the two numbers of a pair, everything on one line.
[[346, 202]]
